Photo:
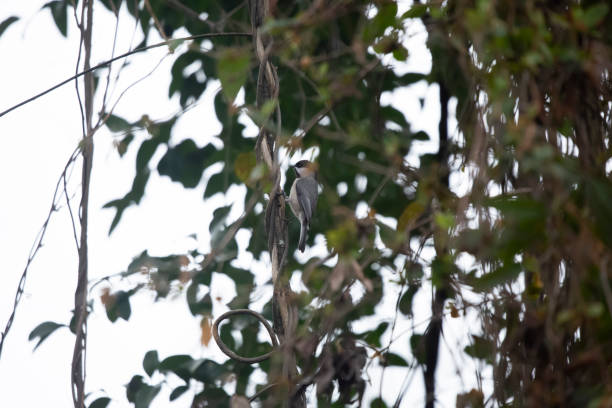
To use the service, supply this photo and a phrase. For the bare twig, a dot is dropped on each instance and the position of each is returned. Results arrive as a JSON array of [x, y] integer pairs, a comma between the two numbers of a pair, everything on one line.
[[160, 29], [38, 243], [126, 54]]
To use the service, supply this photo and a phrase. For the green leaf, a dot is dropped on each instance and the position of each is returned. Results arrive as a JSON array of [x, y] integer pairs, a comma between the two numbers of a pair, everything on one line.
[[244, 165], [185, 162], [592, 16], [208, 371], [145, 396], [415, 11], [598, 193], [123, 145], [219, 217], [198, 307], [232, 68], [101, 402], [378, 403], [392, 359], [480, 348], [42, 331], [150, 362], [117, 124], [214, 185], [504, 274], [119, 305], [6, 23], [59, 12], [405, 304], [178, 391], [178, 364], [174, 362], [383, 19], [373, 336], [417, 347]]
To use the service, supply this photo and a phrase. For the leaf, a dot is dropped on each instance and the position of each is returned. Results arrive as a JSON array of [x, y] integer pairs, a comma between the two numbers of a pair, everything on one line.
[[214, 185], [392, 359], [232, 68], [592, 16], [178, 364], [598, 193], [59, 12], [415, 11], [42, 331], [378, 403], [175, 362], [117, 124], [207, 371], [145, 396], [123, 145], [373, 336], [118, 305], [133, 196], [206, 330], [178, 391], [101, 402], [409, 215], [383, 19], [6, 23], [185, 162], [480, 348], [417, 347], [505, 274], [217, 224], [244, 165], [150, 362], [405, 304]]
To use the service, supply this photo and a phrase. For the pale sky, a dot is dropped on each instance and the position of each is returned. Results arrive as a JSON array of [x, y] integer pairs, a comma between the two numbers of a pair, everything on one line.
[[38, 138]]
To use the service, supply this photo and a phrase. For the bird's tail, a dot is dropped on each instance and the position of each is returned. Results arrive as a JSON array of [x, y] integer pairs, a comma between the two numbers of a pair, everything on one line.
[[303, 235]]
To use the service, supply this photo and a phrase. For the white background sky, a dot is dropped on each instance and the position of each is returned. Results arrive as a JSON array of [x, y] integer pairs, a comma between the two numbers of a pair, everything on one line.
[[38, 138]]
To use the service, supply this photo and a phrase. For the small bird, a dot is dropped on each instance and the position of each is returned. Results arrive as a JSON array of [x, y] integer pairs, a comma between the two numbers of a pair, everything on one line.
[[303, 197]]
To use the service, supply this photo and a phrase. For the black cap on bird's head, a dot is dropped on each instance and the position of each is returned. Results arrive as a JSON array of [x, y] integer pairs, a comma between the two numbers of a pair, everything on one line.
[[305, 168]]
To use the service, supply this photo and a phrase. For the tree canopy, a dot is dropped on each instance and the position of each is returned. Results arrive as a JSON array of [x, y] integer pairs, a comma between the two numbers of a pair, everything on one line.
[[508, 223]]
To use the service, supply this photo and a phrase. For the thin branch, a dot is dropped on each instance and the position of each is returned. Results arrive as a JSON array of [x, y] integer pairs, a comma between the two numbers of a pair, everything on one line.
[[38, 243], [105, 63], [74, 232], [103, 120], [156, 20]]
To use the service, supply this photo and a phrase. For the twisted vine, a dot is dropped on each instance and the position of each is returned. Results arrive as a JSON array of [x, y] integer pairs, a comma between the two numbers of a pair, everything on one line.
[[266, 147]]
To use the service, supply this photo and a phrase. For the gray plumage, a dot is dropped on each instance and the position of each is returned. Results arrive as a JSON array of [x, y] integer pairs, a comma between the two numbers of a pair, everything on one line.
[[303, 198]]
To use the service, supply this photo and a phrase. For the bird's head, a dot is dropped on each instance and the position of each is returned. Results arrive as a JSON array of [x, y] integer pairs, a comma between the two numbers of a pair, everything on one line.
[[305, 168]]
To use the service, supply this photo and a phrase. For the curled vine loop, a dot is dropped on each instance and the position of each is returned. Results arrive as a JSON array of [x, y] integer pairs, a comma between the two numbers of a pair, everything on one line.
[[233, 355]]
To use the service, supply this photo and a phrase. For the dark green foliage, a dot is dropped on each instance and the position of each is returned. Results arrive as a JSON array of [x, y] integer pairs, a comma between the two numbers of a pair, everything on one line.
[[101, 402], [6, 23], [59, 12], [526, 247], [42, 331]]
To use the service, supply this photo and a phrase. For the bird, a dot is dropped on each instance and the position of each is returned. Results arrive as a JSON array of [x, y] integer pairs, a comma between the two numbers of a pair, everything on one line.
[[303, 197]]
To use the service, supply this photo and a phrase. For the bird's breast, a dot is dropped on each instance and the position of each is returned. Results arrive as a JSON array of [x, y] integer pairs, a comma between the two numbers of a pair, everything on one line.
[[293, 201]]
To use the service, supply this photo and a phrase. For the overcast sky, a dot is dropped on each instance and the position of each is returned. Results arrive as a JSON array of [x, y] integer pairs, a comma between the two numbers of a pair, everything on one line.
[[38, 138]]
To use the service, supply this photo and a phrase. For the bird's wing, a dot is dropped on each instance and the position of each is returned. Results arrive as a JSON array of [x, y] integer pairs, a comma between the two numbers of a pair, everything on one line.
[[307, 191]]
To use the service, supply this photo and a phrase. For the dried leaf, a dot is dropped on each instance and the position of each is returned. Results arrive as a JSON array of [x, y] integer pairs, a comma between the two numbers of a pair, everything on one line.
[[206, 330]]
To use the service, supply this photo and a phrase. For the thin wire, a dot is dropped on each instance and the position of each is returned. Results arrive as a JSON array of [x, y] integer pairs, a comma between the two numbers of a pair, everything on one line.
[[105, 63]]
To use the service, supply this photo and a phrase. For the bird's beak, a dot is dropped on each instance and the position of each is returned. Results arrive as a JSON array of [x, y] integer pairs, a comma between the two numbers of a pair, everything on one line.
[[295, 169]]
